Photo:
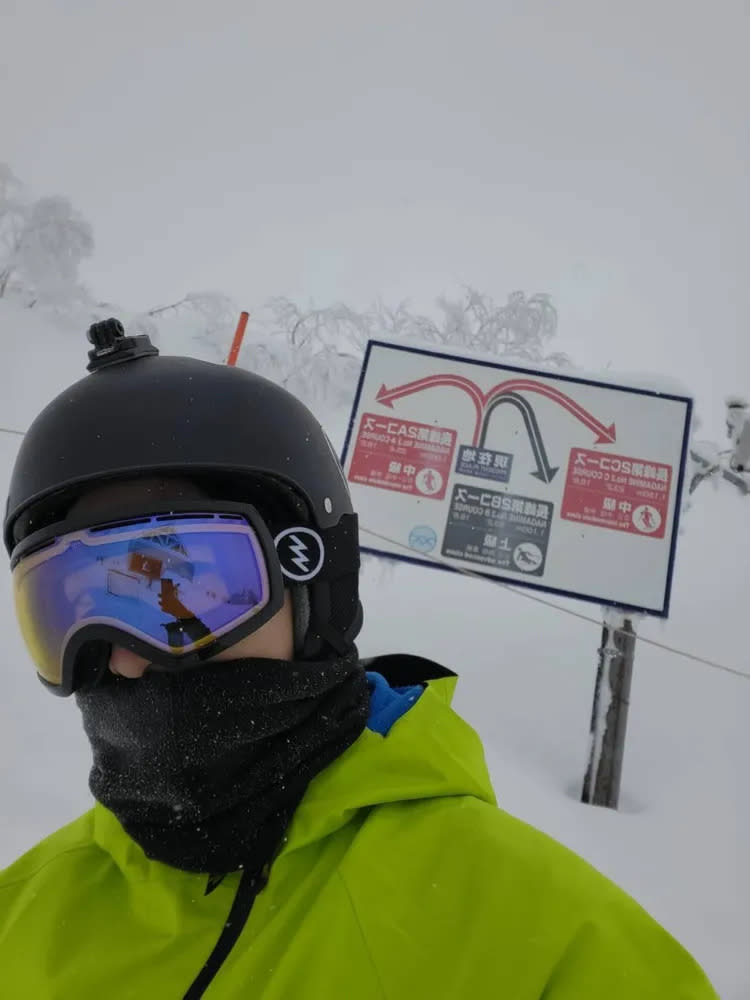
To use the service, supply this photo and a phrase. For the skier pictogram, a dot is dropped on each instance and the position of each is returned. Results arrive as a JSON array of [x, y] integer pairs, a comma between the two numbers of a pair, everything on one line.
[[647, 518], [429, 481], [527, 557]]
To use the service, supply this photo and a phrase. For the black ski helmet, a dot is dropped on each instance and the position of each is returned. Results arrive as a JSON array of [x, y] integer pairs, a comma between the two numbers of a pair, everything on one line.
[[232, 432]]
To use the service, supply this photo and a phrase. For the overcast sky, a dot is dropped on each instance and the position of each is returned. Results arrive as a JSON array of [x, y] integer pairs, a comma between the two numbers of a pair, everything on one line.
[[340, 150]]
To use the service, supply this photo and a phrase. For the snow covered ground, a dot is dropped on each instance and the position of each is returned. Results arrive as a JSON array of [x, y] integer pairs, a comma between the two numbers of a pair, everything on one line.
[[679, 843]]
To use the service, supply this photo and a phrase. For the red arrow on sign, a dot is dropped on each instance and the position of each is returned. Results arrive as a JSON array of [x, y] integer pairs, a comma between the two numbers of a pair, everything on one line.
[[386, 396], [604, 435]]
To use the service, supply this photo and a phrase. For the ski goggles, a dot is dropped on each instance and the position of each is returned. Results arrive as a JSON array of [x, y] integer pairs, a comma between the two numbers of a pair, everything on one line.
[[174, 587]]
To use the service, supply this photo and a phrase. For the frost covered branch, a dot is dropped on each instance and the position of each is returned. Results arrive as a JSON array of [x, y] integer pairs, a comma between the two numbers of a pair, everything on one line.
[[198, 323], [317, 352]]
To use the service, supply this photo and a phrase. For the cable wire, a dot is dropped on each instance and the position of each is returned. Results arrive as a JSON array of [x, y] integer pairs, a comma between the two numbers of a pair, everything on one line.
[[519, 592]]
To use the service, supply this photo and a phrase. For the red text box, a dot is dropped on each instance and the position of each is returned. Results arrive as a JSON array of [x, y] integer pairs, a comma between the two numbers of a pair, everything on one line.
[[614, 491], [403, 455]]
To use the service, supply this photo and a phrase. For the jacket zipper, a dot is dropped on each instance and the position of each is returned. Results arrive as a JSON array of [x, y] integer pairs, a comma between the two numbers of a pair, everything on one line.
[[247, 890]]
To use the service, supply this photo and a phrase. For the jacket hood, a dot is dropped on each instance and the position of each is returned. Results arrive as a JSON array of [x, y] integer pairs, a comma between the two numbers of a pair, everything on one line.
[[435, 754]]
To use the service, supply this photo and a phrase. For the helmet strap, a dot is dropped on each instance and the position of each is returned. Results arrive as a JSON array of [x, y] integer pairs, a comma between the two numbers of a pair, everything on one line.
[[300, 615], [322, 630]]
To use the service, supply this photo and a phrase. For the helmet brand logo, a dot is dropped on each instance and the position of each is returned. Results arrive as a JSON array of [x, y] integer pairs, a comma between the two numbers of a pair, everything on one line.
[[301, 553], [300, 549]]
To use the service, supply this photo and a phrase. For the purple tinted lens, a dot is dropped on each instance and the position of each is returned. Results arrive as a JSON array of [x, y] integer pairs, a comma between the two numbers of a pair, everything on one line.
[[174, 583]]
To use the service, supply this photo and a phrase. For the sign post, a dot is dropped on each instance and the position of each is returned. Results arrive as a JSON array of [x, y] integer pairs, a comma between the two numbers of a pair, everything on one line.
[[560, 483], [609, 717]]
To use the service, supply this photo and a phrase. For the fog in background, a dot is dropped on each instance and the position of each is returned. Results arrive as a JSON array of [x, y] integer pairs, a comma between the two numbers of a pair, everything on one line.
[[339, 151]]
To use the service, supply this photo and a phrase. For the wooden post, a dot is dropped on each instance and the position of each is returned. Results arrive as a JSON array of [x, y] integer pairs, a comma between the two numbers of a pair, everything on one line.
[[237, 342], [609, 718]]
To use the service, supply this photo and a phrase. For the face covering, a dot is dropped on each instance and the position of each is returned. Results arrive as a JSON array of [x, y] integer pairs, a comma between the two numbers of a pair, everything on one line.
[[205, 768]]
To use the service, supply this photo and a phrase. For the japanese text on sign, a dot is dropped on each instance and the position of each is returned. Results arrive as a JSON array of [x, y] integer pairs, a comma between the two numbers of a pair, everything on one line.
[[403, 455], [484, 463], [613, 491], [498, 529]]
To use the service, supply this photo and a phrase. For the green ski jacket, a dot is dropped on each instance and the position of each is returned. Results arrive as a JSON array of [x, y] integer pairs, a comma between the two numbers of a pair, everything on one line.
[[399, 879]]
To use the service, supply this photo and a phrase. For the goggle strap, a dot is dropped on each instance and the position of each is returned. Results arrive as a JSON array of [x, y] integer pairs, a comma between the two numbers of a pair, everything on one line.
[[342, 549]]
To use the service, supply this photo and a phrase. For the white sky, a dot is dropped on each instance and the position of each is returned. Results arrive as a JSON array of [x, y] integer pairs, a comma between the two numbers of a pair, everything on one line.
[[337, 150]]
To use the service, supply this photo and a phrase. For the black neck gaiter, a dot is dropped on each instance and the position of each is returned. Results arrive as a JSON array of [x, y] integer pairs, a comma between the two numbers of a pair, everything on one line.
[[205, 768]]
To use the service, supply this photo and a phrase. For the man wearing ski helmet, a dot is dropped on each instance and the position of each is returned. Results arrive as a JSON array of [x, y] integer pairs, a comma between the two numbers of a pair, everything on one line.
[[274, 818]]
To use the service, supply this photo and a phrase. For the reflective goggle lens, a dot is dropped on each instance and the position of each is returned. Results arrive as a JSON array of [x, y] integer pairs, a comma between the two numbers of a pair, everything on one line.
[[176, 583]]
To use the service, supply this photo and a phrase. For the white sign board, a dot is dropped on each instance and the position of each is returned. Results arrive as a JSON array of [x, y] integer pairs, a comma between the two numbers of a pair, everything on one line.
[[564, 484]]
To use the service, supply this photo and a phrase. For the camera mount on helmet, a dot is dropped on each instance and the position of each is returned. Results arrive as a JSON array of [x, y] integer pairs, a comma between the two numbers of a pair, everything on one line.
[[111, 346]]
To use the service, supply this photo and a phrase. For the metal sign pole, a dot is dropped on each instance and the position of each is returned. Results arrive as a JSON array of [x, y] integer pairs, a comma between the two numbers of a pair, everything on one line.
[[609, 718]]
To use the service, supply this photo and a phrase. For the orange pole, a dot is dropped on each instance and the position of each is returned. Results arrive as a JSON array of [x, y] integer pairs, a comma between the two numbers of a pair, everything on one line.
[[237, 342]]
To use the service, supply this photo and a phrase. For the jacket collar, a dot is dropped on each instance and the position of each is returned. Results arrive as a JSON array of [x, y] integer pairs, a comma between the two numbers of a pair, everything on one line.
[[429, 753]]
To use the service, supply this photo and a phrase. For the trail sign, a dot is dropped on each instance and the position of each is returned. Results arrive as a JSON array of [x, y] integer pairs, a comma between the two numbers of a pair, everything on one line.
[[557, 482]]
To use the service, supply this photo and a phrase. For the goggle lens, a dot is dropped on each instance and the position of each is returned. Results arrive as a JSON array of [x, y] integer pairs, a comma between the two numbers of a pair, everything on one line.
[[175, 582]]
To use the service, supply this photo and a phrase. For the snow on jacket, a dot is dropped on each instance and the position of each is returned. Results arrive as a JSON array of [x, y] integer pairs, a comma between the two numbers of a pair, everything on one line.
[[400, 879]]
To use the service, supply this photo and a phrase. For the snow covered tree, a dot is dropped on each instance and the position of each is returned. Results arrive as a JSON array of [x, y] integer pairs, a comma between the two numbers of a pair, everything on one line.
[[711, 462], [520, 329], [200, 323], [54, 241], [317, 352], [42, 243], [13, 207]]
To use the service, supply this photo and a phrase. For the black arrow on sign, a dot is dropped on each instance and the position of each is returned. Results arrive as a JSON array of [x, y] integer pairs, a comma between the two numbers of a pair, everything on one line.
[[544, 470]]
